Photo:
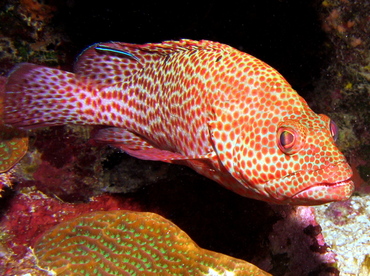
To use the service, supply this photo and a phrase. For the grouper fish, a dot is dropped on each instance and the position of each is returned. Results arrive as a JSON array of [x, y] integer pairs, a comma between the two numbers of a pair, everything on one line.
[[222, 112]]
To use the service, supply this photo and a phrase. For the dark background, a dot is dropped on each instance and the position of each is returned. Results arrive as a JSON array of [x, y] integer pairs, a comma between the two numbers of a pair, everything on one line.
[[285, 34]]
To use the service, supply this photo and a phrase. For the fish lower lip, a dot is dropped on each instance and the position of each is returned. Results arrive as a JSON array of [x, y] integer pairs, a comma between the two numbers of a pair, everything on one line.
[[326, 192]]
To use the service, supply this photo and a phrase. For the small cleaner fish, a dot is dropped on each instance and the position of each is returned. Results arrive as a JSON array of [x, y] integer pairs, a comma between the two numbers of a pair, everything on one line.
[[222, 112]]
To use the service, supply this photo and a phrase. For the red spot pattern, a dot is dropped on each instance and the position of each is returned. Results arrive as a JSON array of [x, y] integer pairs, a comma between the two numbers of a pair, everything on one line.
[[218, 109]]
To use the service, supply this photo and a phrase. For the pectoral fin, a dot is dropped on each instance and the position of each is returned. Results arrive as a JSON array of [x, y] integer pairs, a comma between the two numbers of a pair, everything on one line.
[[138, 147]]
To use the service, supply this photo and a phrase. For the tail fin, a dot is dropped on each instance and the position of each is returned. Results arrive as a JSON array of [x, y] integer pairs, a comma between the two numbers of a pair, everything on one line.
[[37, 96]]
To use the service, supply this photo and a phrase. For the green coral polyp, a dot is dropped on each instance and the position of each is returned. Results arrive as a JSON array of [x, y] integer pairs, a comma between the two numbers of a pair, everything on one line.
[[130, 243]]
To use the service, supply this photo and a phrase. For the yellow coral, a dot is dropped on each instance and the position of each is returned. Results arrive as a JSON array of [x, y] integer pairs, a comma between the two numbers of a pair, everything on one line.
[[130, 243]]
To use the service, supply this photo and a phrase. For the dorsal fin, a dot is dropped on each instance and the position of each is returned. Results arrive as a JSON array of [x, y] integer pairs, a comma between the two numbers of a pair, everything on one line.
[[107, 63], [175, 46]]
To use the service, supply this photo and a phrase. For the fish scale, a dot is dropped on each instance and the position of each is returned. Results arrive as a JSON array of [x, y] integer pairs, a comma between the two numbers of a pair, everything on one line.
[[203, 104]]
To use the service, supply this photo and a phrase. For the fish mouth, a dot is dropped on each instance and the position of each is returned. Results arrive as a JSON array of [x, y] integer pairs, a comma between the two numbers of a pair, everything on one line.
[[314, 187], [320, 193]]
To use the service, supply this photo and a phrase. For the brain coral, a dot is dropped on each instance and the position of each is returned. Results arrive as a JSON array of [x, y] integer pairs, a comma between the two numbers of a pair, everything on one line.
[[130, 243]]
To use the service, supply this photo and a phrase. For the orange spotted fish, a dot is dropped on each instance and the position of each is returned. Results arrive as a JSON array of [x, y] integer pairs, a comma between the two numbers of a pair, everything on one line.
[[222, 112]]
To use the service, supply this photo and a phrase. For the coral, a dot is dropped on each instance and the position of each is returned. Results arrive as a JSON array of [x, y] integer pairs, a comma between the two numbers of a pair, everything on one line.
[[297, 236], [344, 88], [25, 266], [61, 162], [28, 34], [343, 91], [13, 142], [346, 21], [36, 13], [13, 145], [31, 213], [33, 16], [365, 268], [346, 227], [5, 181], [130, 243]]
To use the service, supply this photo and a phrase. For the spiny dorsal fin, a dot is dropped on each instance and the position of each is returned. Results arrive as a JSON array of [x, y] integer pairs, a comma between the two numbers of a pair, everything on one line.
[[113, 62]]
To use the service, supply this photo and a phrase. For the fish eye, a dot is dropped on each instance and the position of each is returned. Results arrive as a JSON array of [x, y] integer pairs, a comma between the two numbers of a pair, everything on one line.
[[287, 140], [334, 131]]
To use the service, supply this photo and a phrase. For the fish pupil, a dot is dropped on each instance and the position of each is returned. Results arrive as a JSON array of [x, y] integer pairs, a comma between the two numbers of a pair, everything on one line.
[[287, 139]]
